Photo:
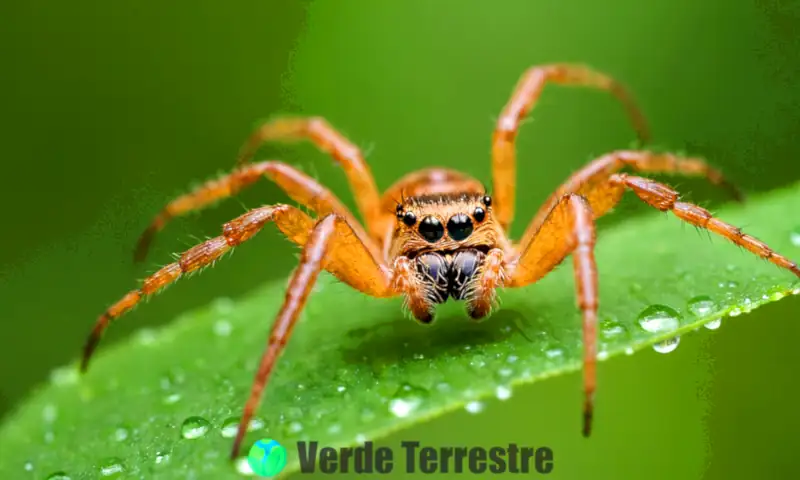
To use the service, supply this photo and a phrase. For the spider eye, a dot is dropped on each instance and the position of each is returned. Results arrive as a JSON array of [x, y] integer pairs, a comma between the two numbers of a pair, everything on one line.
[[431, 229], [479, 214], [487, 200], [399, 210], [459, 227], [409, 219]]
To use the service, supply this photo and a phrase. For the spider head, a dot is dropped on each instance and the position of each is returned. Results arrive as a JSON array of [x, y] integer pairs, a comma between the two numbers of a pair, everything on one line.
[[444, 223]]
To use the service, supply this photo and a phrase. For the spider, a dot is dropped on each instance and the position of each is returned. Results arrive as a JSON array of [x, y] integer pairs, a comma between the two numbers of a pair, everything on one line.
[[445, 237]]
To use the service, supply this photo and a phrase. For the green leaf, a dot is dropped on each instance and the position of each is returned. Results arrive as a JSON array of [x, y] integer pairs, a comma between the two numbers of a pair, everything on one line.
[[356, 369]]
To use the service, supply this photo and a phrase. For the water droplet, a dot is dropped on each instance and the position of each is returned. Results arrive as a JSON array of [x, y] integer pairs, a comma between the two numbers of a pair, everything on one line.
[[505, 372], [731, 284], [667, 345], [172, 398], [361, 438], [602, 355], [146, 336], [28, 466], [59, 476], [295, 427], [794, 236], [418, 356], [120, 434], [659, 319], [610, 328], [49, 413], [554, 353], [194, 427], [474, 406], [502, 392], [112, 467], [701, 305], [512, 358], [231, 425], [243, 466], [735, 312], [66, 375], [224, 305], [713, 324], [341, 388], [629, 351], [222, 328], [406, 400], [162, 457], [334, 429]]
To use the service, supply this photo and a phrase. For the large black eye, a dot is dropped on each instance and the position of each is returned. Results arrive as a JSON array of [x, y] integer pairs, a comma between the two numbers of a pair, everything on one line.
[[459, 227], [409, 219], [479, 214], [431, 229], [487, 200]]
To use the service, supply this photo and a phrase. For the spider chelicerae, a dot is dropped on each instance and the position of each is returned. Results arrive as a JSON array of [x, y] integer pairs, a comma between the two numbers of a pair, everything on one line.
[[435, 234]]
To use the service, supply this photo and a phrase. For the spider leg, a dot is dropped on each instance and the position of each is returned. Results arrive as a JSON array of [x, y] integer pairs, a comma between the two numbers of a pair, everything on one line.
[[294, 223], [599, 170], [568, 228], [332, 246], [664, 198], [491, 277], [524, 97], [299, 186], [330, 141]]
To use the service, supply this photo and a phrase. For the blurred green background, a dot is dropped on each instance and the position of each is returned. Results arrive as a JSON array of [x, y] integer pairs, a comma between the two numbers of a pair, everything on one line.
[[109, 109]]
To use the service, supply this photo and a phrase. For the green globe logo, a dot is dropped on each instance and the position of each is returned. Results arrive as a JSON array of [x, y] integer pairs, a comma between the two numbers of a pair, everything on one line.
[[267, 457]]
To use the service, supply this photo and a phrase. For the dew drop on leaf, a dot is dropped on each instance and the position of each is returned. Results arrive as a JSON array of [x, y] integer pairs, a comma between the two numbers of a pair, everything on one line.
[[502, 392], [659, 319], [112, 468], [120, 434], [474, 406], [295, 427], [222, 328], [28, 466], [735, 312], [194, 427], [406, 400], [59, 476], [794, 236], [611, 328], [667, 346], [243, 466], [161, 457], [713, 324], [701, 305]]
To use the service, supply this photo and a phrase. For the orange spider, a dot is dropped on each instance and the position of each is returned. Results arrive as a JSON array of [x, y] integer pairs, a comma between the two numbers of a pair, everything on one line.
[[446, 238]]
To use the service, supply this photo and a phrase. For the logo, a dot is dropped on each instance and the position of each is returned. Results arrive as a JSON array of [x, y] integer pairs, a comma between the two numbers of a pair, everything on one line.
[[267, 457]]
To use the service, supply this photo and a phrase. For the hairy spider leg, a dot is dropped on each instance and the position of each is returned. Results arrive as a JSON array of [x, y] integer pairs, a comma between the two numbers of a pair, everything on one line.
[[329, 140], [332, 246], [539, 253], [294, 223], [567, 229], [299, 186], [599, 170], [525, 95]]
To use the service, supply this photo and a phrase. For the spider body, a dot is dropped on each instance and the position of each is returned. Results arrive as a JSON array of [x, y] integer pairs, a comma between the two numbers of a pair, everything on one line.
[[435, 234]]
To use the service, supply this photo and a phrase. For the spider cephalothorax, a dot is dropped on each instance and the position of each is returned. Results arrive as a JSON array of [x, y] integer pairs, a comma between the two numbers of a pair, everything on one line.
[[447, 238]]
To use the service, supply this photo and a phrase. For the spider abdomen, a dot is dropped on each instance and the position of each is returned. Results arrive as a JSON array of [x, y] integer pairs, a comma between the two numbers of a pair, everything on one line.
[[449, 275]]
